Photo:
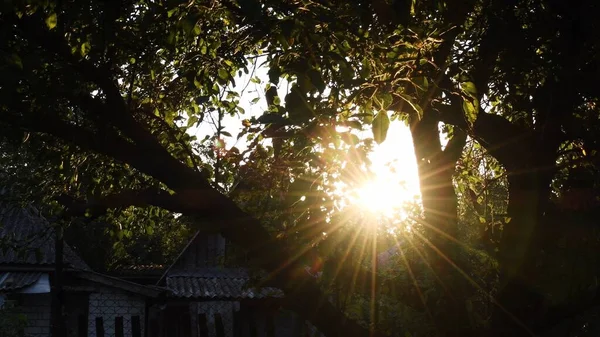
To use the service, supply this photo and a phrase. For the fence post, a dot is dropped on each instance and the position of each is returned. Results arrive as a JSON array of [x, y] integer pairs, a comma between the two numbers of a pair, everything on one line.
[[119, 327], [203, 325], [82, 326], [252, 323], [136, 330], [99, 327], [219, 327], [237, 323], [270, 324]]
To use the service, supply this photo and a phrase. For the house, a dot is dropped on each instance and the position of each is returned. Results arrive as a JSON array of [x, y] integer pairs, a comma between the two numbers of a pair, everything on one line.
[[208, 298], [198, 295], [93, 304]]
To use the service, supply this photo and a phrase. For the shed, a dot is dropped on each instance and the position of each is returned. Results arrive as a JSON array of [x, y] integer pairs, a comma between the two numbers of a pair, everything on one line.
[[207, 297]]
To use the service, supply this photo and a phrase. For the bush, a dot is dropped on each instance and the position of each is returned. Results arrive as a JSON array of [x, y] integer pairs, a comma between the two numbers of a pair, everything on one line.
[[12, 322]]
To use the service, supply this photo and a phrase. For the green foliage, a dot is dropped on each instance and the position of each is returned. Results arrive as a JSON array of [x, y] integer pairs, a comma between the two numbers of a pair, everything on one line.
[[133, 236], [98, 99], [12, 322]]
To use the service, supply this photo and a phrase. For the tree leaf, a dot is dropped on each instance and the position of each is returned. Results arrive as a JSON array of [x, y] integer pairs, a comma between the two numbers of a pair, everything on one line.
[[192, 120], [416, 107], [316, 79], [353, 124], [349, 138], [16, 60], [381, 124], [85, 48], [223, 74], [172, 11], [197, 30], [51, 21], [470, 111], [421, 83], [274, 74], [297, 106], [469, 89]]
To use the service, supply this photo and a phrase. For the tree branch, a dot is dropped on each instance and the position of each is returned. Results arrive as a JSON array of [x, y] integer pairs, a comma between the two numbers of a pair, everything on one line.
[[493, 40], [455, 146], [114, 111], [505, 141], [140, 198]]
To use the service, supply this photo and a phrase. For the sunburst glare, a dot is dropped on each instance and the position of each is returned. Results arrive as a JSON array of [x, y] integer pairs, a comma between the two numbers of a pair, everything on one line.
[[394, 181]]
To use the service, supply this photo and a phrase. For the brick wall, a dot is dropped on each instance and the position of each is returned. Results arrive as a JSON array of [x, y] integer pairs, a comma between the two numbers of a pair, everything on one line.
[[37, 309], [112, 305]]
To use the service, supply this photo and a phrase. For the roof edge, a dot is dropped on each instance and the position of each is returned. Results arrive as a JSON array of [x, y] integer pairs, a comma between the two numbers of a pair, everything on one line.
[[150, 291]]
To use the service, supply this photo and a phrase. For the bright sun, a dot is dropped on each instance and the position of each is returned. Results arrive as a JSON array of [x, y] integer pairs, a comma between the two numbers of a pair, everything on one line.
[[395, 179], [381, 196]]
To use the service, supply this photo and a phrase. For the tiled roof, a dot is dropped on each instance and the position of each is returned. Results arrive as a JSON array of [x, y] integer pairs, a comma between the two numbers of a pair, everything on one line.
[[214, 283], [28, 239], [12, 281]]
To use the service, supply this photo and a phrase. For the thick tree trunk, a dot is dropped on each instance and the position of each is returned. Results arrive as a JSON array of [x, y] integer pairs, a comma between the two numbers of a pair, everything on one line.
[[521, 304], [436, 168]]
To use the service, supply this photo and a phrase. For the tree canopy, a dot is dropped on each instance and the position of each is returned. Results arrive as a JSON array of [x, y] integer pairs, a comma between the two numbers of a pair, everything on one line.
[[99, 101]]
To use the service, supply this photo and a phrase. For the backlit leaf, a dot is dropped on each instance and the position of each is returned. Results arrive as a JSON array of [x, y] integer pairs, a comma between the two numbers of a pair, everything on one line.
[[51, 21], [223, 74], [469, 89], [381, 124], [470, 111], [85, 48]]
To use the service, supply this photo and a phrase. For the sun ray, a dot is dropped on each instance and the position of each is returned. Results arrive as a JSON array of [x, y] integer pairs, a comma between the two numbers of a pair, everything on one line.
[[315, 240], [426, 261], [292, 259], [476, 285], [414, 279], [345, 256], [442, 233], [374, 308], [357, 269]]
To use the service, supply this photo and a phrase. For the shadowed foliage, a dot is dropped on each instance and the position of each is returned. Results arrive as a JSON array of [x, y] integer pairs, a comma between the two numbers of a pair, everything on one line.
[[100, 101]]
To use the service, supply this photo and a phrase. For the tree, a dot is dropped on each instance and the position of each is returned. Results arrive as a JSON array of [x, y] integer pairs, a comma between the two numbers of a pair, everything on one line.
[[156, 51], [514, 79], [491, 70]]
